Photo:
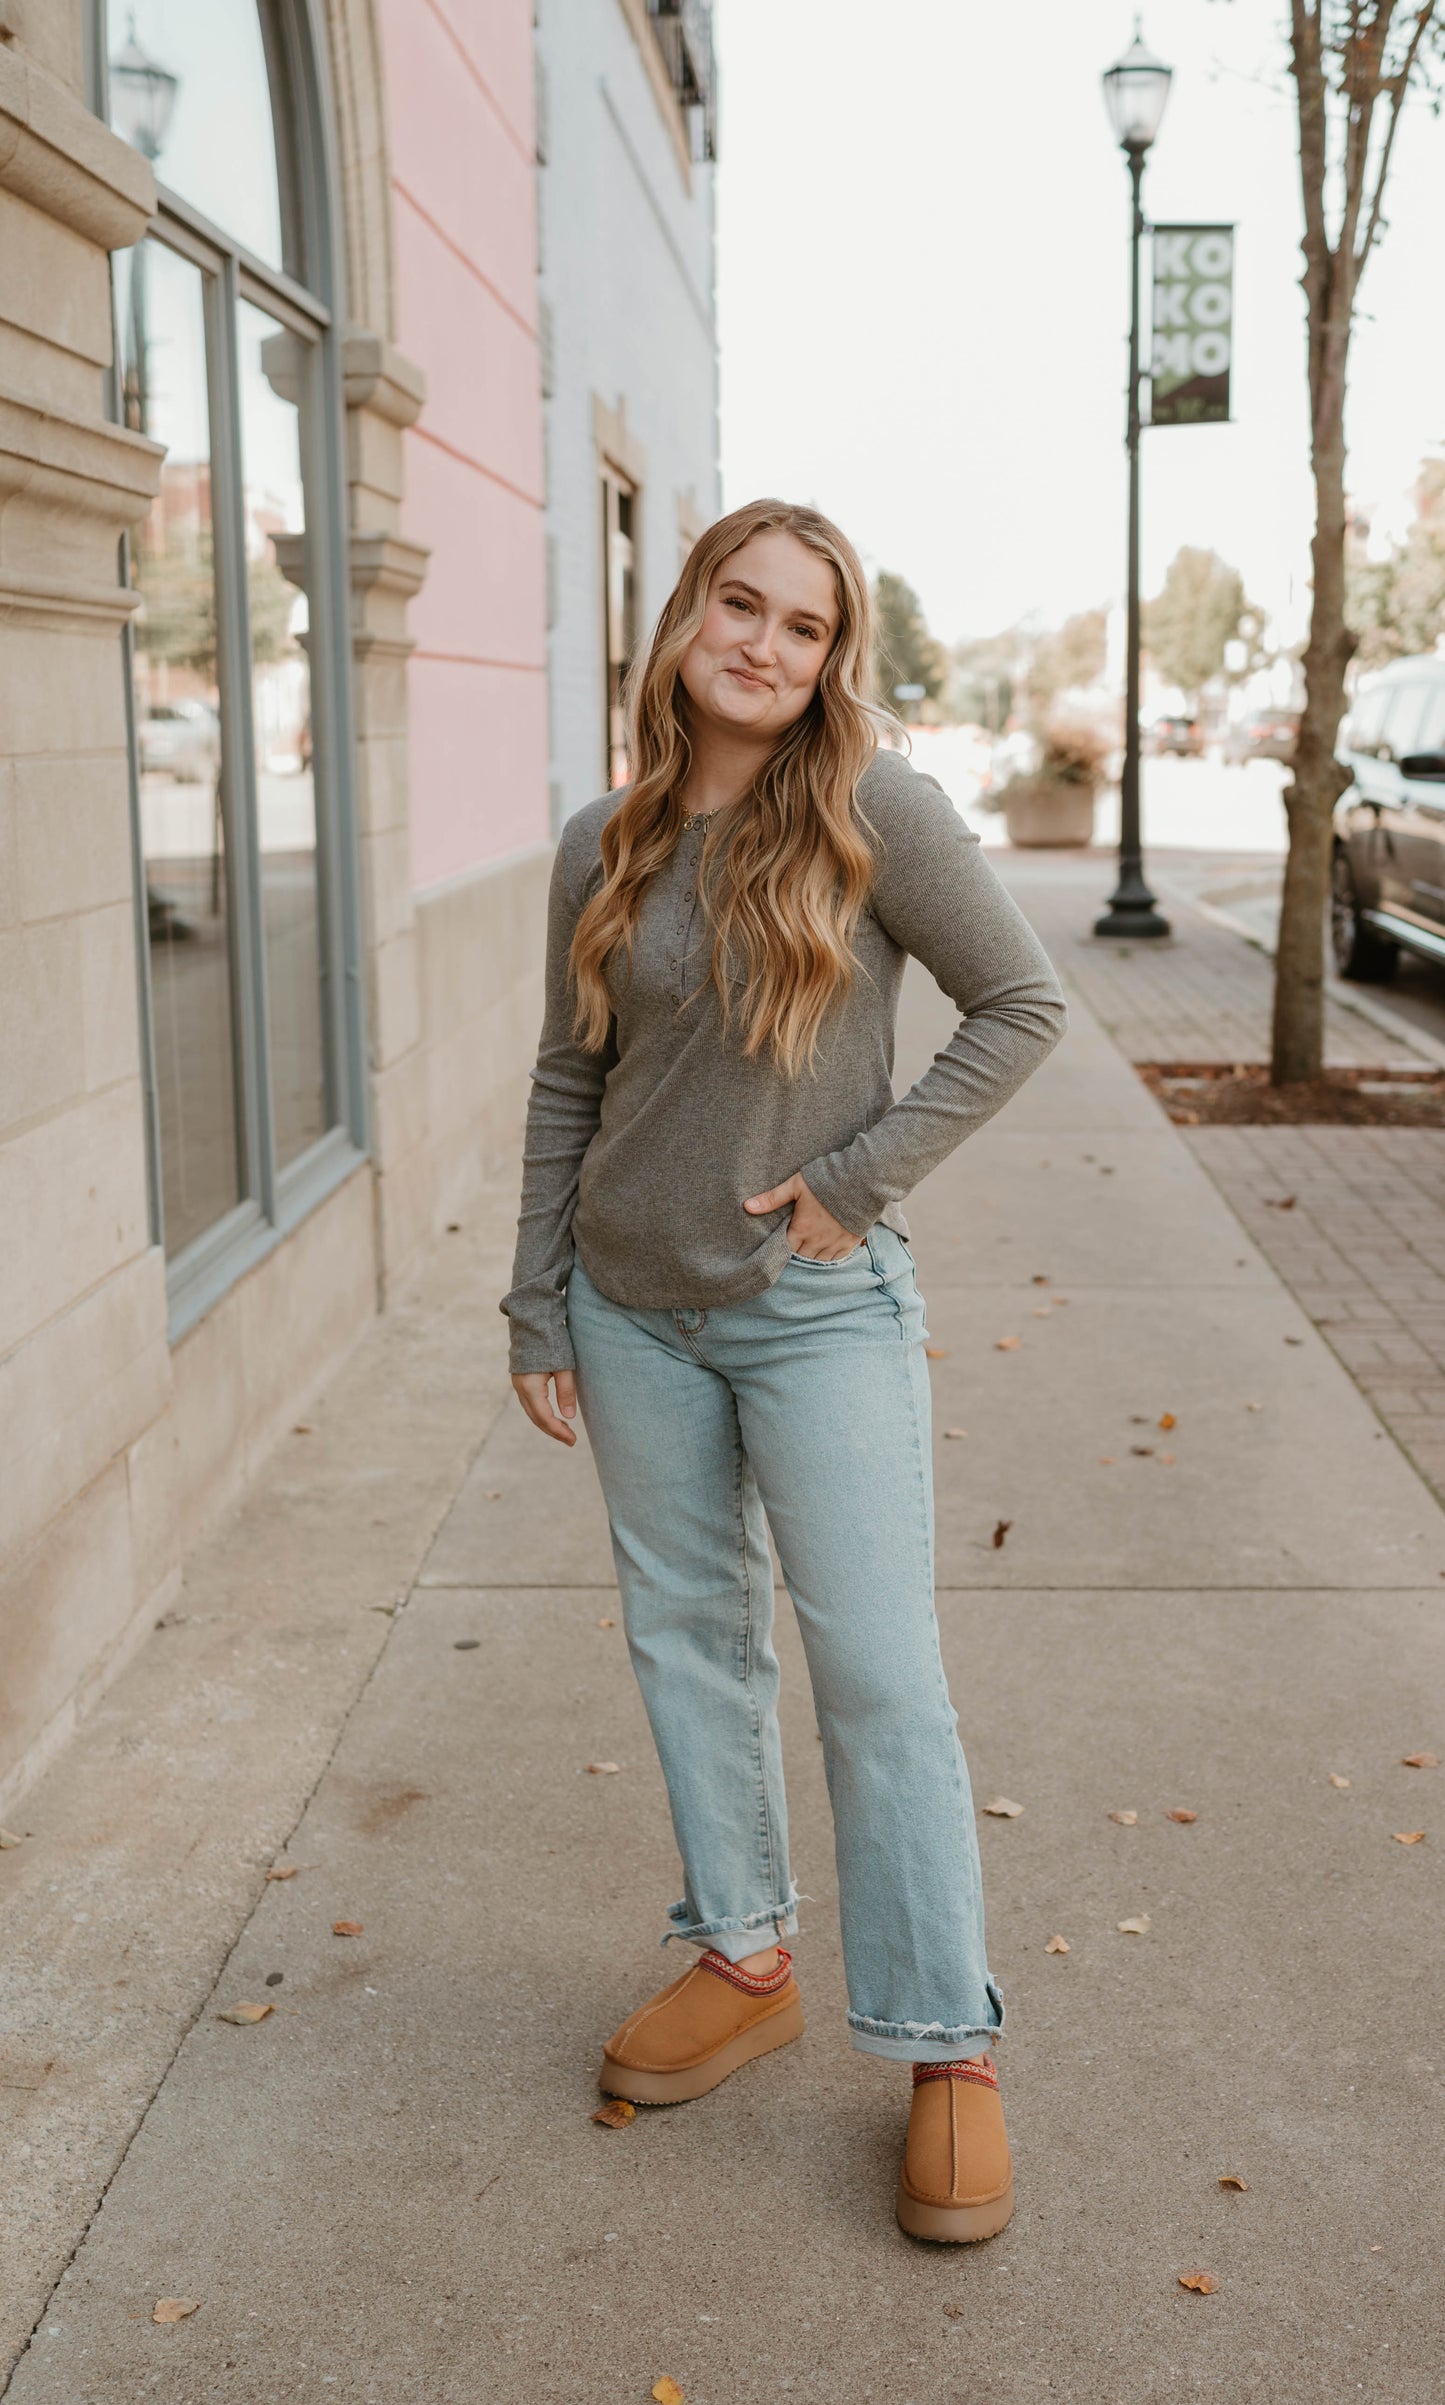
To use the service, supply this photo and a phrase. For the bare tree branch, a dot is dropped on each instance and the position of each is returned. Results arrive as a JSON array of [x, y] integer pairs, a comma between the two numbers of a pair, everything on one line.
[[1396, 91]]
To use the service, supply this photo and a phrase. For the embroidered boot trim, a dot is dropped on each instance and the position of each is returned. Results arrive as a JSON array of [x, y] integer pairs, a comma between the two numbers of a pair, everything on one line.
[[984, 2072], [756, 1983]]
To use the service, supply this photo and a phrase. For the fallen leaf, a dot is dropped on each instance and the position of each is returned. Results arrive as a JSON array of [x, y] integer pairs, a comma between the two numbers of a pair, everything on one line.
[[1136, 1927], [1167, 1420], [1181, 1813], [465, 1644], [1337, 1781], [1168, 1460], [1138, 1419], [936, 1352], [283, 1870], [8, 1839], [1421, 1761], [491, 1494], [348, 1928], [1127, 1819], [1141, 1448], [175, 2308], [1285, 1203], [1294, 1340], [1408, 1837], [666, 2392], [1007, 1344], [602, 1770], [955, 1432], [244, 2014], [607, 1624], [1001, 1529], [1003, 1808], [1040, 1311], [1204, 2283], [1057, 1945], [1039, 1278], [302, 1428], [954, 2312], [1058, 1298], [1254, 1407], [1231, 2179], [454, 1227], [616, 2113], [1106, 1461]]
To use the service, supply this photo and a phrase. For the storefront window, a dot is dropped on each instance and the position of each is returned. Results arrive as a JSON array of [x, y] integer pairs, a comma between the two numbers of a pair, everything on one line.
[[236, 651], [160, 305]]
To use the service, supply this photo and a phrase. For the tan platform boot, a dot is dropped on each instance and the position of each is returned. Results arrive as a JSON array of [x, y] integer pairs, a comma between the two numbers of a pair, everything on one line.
[[707, 2024], [957, 2182]]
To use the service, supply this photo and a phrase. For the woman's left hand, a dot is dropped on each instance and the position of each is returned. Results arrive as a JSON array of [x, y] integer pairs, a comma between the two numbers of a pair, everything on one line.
[[812, 1231]]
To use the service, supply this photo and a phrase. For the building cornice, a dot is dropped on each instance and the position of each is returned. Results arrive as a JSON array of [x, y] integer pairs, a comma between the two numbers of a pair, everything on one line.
[[378, 377], [57, 155], [69, 488]]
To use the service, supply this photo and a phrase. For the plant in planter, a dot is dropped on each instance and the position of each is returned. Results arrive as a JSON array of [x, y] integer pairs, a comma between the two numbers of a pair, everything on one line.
[[1055, 805]]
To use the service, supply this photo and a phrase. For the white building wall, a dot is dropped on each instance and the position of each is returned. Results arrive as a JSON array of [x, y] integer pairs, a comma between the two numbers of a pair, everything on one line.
[[627, 283]]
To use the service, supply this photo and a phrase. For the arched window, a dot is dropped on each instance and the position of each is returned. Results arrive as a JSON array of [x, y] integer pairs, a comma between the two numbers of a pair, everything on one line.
[[226, 353]]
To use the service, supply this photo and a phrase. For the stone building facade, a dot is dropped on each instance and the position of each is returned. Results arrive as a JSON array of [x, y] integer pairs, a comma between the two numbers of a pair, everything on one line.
[[275, 817]]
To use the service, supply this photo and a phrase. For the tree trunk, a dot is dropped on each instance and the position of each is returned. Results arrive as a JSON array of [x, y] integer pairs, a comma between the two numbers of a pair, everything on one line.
[[1319, 780]]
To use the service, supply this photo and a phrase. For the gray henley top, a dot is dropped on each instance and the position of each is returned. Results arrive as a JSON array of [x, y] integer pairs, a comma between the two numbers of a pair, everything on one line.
[[642, 1155]]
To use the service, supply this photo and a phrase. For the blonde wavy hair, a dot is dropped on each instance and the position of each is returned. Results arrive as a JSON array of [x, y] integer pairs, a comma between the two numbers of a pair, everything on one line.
[[784, 887]]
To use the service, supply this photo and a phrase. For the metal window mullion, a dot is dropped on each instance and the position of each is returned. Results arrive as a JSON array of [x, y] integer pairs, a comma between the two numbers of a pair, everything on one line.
[[323, 728], [140, 886], [343, 883], [238, 748], [322, 205]]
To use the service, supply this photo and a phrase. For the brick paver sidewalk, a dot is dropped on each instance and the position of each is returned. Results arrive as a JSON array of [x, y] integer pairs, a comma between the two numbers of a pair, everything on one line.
[[1353, 1219]]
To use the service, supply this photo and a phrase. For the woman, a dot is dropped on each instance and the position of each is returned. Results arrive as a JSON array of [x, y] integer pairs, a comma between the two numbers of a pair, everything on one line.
[[713, 1264]]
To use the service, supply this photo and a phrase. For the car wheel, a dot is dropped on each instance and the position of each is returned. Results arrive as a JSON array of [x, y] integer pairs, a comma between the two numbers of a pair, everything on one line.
[[1359, 953]]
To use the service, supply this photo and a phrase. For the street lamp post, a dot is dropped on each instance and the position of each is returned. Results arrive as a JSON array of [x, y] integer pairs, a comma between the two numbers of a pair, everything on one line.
[[1135, 91]]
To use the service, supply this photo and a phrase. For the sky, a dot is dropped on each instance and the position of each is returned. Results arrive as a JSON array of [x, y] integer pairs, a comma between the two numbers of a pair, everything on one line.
[[923, 296]]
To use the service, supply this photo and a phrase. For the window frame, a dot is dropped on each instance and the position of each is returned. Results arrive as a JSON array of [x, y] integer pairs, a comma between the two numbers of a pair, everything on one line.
[[275, 1200]]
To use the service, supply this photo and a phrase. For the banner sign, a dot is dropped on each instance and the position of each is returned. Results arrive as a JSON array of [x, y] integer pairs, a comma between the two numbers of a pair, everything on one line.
[[1193, 324]]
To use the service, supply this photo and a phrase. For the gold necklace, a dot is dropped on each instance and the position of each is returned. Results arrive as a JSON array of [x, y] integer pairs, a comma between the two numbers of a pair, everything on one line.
[[695, 819]]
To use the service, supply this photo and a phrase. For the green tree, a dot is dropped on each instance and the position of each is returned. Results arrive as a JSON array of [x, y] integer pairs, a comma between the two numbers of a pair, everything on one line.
[[1395, 606], [178, 617], [983, 676], [904, 652], [1201, 609], [1073, 656]]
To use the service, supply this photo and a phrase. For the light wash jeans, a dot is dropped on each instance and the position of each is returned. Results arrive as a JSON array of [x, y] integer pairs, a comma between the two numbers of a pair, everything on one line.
[[811, 1403]]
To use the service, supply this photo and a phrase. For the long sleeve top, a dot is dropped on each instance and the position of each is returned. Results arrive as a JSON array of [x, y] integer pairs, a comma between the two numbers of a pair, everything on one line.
[[642, 1155]]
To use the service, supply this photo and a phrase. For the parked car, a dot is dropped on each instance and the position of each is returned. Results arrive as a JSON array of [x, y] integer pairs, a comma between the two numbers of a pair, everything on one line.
[[1388, 879], [180, 739], [1268, 735], [1176, 738]]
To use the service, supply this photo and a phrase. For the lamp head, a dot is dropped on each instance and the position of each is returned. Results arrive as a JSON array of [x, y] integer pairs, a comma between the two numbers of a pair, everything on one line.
[[142, 96], [1136, 88]]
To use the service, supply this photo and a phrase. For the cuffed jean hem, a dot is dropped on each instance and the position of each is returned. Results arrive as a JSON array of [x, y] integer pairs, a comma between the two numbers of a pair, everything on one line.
[[736, 1938], [952, 2049]]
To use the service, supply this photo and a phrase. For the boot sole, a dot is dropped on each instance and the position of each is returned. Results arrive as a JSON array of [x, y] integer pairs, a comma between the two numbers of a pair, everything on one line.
[[679, 2087], [954, 2225]]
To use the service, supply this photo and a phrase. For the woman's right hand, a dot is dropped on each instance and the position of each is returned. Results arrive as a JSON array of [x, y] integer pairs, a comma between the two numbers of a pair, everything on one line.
[[532, 1385]]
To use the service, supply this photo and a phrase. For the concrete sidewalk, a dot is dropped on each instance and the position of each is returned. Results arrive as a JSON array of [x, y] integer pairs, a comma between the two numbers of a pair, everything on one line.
[[391, 2190]]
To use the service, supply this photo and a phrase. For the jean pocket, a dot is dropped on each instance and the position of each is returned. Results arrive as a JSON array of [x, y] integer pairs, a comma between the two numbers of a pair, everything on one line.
[[807, 1261]]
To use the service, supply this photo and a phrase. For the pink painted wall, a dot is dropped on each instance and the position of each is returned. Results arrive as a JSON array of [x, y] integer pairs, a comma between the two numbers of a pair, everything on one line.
[[459, 110]]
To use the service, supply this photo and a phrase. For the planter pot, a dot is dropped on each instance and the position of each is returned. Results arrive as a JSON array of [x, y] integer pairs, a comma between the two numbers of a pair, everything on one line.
[[1043, 812]]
